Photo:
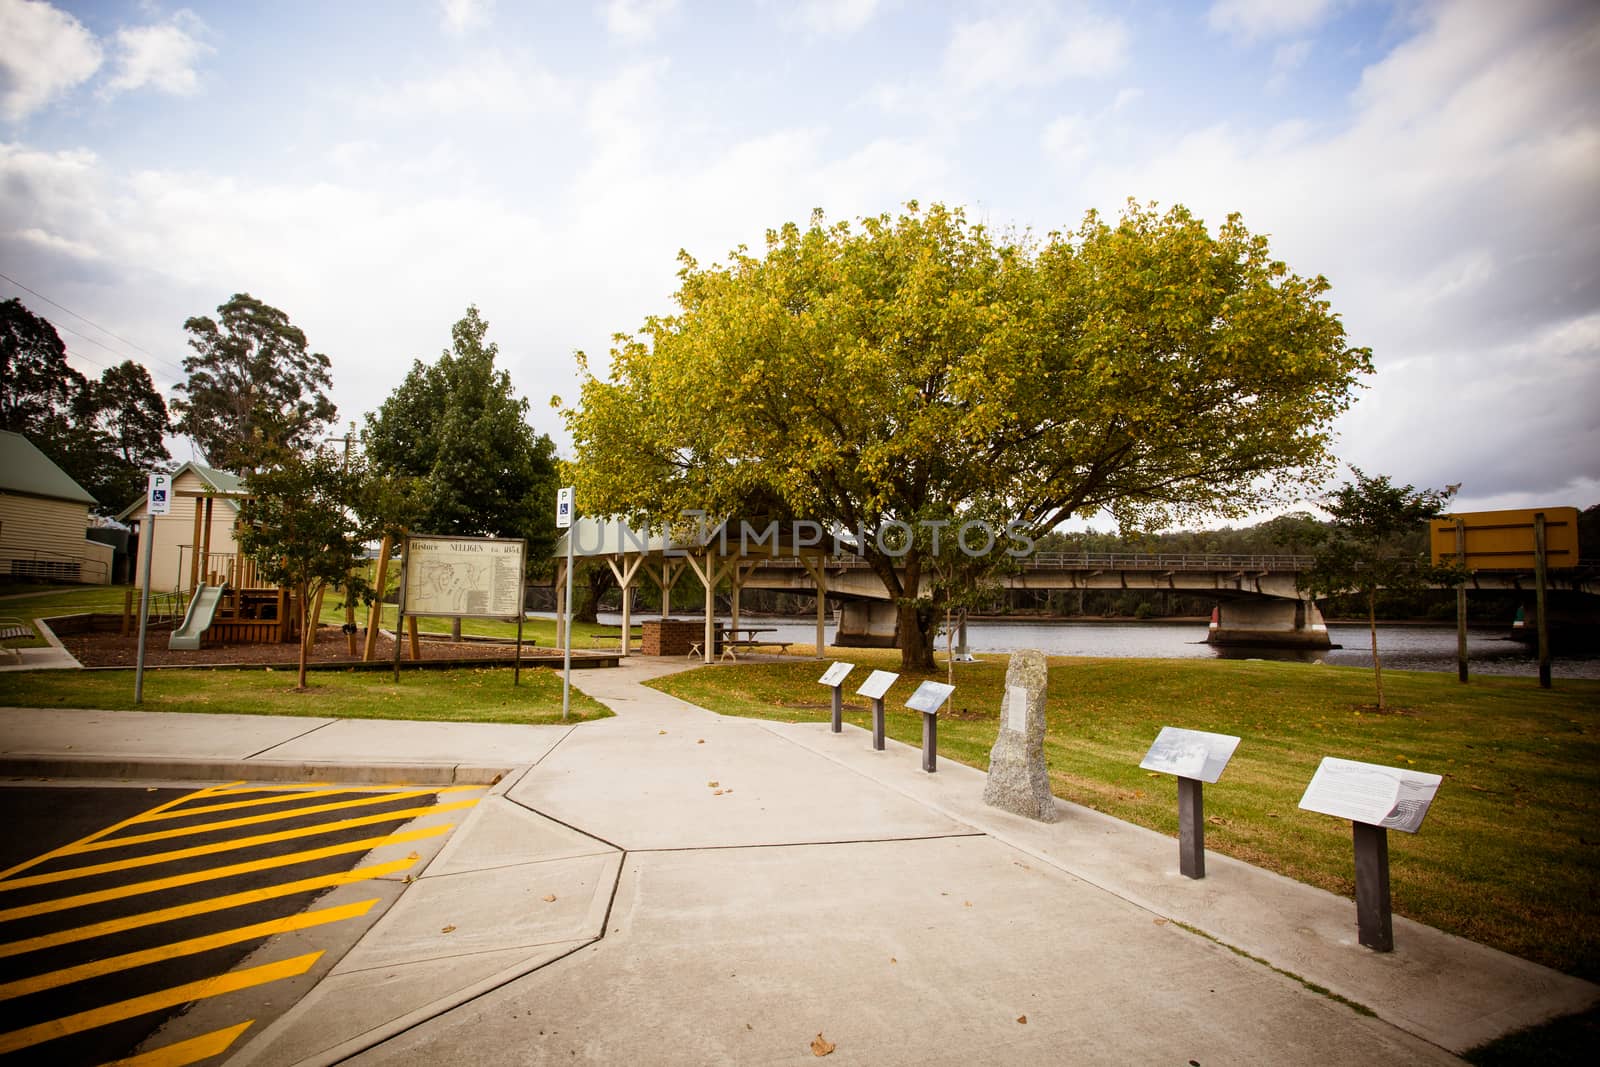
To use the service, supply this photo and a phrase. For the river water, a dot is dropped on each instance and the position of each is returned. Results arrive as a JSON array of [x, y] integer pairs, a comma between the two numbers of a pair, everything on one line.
[[1403, 647]]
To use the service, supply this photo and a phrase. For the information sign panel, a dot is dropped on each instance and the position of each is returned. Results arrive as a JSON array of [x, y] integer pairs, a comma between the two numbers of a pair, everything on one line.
[[1190, 753], [929, 696], [836, 673], [478, 577], [159, 499], [1016, 711], [877, 684], [1370, 793], [564, 508]]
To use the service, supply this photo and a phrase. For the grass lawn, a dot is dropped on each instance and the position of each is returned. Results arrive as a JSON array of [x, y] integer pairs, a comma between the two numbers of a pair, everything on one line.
[[32, 601], [1506, 857], [457, 695]]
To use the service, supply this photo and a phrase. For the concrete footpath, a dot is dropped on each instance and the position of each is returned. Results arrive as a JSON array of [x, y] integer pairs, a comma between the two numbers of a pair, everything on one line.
[[671, 886]]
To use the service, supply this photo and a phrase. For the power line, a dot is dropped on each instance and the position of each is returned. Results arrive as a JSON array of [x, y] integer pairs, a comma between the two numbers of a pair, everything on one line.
[[96, 325]]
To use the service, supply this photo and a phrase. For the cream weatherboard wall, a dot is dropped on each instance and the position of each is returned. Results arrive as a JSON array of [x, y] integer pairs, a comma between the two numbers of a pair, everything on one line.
[[45, 537], [173, 546]]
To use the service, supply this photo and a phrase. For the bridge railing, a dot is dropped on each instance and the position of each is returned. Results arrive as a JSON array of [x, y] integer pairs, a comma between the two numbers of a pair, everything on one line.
[[1127, 561]]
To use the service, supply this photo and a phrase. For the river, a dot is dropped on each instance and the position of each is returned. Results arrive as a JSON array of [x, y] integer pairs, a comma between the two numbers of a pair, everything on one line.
[[1406, 647]]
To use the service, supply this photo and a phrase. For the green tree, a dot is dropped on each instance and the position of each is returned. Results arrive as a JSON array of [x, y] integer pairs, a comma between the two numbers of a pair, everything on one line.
[[254, 386], [919, 367], [1371, 545], [120, 429], [37, 386], [106, 434], [457, 427], [306, 526]]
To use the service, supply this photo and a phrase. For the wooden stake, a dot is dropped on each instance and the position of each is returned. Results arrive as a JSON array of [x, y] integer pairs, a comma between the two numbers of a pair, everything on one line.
[[375, 613], [1539, 565]]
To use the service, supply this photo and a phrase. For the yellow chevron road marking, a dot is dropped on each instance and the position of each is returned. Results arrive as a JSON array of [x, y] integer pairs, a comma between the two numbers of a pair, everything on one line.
[[53, 853], [232, 845], [67, 975], [151, 1002], [155, 885], [200, 907], [183, 1053], [255, 820]]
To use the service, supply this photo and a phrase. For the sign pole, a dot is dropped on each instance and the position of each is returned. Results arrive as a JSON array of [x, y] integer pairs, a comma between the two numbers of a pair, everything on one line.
[[1461, 603], [1191, 827], [147, 535], [1374, 923], [564, 521], [157, 501], [1539, 567]]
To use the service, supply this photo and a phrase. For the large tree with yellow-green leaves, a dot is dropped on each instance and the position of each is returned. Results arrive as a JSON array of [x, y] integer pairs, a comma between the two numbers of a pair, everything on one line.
[[922, 368]]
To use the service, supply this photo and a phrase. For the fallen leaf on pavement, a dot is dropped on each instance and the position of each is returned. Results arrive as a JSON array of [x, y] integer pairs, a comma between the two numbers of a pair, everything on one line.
[[701, 741], [1023, 1019], [660, 731], [447, 929], [713, 785], [549, 898], [1159, 922], [893, 960], [821, 1046], [716, 792]]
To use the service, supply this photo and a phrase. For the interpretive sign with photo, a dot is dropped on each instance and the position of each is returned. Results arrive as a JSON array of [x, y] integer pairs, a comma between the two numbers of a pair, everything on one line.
[[477, 577], [877, 684], [1370, 793], [1190, 753], [836, 674], [929, 696]]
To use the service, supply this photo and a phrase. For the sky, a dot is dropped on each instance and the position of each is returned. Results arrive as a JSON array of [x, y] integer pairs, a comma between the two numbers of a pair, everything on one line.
[[374, 168]]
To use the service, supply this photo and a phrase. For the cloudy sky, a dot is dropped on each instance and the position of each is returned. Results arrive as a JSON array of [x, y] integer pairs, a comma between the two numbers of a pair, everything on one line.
[[373, 168]]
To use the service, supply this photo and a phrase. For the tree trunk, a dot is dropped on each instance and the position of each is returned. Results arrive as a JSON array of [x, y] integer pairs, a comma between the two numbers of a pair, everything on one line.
[[305, 629], [1372, 627], [916, 625]]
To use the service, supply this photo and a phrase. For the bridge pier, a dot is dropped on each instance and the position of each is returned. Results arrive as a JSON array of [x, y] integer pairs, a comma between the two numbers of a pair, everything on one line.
[[1270, 623]]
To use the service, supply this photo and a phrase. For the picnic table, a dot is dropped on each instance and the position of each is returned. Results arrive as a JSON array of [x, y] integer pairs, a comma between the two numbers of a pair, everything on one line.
[[609, 636], [730, 641]]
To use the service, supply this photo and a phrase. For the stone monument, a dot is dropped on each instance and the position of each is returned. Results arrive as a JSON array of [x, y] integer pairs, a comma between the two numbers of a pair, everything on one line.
[[1018, 779]]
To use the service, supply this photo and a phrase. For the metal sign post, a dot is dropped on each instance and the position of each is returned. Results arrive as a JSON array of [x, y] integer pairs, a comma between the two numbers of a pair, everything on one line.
[[158, 501], [564, 522], [1194, 757]]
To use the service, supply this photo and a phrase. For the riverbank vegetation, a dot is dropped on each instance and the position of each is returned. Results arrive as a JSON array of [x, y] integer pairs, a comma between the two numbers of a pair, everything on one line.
[[1506, 856]]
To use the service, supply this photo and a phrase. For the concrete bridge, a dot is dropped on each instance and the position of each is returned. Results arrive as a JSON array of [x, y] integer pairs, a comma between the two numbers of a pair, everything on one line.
[[1257, 599]]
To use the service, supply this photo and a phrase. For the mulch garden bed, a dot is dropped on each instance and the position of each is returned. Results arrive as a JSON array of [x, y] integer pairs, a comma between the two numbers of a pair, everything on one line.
[[115, 650]]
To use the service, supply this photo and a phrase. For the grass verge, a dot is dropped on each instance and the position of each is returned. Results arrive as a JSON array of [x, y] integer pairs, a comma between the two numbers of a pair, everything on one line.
[[1506, 857], [449, 695]]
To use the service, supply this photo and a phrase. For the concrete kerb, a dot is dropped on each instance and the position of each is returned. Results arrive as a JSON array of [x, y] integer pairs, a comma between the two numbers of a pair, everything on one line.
[[204, 770]]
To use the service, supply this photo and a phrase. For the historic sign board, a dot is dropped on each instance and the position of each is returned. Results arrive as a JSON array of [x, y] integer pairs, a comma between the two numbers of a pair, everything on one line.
[[929, 696], [1190, 753], [836, 674], [1371, 793], [1503, 540], [479, 577], [877, 684]]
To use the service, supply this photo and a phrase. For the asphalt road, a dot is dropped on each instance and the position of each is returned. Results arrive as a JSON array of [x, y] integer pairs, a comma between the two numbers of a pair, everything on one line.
[[119, 906]]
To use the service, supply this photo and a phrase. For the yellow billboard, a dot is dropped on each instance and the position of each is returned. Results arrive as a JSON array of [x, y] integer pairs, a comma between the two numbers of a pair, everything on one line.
[[1503, 540]]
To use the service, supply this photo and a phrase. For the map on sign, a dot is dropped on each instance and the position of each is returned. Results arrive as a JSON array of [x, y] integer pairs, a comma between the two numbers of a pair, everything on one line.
[[1190, 753], [929, 696], [464, 576], [877, 684], [1371, 793], [836, 673]]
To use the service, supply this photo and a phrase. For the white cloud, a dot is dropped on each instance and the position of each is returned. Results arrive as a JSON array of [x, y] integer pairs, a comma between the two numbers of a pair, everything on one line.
[[1034, 47], [841, 17], [637, 20], [462, 16], [1066, 141], [492, 83], [44, 53], [1286, 59], [1453, 214], [1255, 19], [163, 56]]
